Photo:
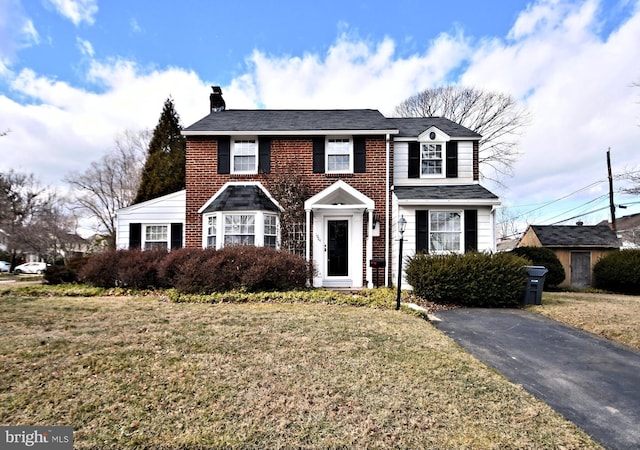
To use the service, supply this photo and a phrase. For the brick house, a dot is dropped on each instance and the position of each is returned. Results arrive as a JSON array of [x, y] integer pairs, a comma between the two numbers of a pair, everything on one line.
[[363, 172]]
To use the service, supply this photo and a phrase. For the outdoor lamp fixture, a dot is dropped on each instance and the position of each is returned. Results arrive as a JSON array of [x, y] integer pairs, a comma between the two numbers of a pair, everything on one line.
[[402, 225]]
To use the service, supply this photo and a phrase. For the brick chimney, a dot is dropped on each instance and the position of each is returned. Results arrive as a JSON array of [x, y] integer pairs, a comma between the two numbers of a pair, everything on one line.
[[216, 101]]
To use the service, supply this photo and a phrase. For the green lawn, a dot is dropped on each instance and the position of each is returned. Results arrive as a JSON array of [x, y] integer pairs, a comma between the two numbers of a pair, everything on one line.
[[129, 372]]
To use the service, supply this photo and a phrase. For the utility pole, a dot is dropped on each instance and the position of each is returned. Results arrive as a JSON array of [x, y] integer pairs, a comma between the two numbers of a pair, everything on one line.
[[612, 205]]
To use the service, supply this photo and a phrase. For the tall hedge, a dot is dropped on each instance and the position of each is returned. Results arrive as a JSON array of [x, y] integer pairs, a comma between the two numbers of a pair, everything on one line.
[[473, 279], [618, 271], [542, 256]]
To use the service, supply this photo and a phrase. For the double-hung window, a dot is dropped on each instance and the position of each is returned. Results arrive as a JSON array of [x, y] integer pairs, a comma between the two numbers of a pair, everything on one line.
[[212, 232], [244, 156], [239, 229], [339, 153], [270, 231], [431, 159], [445, 231], [156, 236]]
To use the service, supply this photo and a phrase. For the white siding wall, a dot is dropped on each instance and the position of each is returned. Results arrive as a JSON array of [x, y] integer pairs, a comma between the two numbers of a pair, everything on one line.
[[163, 210], [486, 234], [401, 166]]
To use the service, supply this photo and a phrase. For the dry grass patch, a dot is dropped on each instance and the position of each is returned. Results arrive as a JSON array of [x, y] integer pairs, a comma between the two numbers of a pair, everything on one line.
[[615, 317], [140, 373]]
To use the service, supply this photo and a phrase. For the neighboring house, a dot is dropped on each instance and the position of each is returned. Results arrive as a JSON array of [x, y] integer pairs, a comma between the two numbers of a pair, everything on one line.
[[578, 247], [156, 223], [364, 172], [628, 230]]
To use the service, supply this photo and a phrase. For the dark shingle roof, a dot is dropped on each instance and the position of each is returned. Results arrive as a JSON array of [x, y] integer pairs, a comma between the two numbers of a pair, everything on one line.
[[242, 198], [273, 121], [576, 236], [286, 120], [444, 192], [413, 126]]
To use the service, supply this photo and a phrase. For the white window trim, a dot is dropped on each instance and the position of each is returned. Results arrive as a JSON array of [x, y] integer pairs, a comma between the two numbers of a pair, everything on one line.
[[443, 158], [326, 154], [460, 232], [144, 234], [254, 170], [258, 231]]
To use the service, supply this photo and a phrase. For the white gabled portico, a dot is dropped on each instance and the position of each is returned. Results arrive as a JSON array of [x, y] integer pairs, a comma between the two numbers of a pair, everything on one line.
[[335, 224]]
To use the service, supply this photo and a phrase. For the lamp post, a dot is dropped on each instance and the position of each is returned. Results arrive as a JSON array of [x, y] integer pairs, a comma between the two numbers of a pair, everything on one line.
[[402, 224]]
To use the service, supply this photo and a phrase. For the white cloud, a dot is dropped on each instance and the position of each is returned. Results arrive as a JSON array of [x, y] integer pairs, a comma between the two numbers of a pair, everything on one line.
[[77, 11], [17, 31], [85, 47]]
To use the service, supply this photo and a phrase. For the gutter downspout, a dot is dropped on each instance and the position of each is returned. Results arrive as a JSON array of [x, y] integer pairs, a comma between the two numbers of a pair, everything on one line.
[[387, 218]]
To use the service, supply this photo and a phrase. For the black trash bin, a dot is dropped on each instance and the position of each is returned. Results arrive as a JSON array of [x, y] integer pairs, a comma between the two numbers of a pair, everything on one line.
[[535, 284]]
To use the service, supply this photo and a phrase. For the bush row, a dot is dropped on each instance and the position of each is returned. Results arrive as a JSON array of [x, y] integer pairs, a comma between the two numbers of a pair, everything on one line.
[[197, 271], [472, 279], [618, 271]]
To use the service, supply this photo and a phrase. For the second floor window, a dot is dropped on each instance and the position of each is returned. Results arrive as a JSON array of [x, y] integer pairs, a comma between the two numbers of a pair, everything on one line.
[[244, 156], [431, 159], [339, 155]]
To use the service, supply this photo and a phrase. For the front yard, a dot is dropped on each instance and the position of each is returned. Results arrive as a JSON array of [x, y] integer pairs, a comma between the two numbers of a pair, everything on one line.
[[131, 372], [615, 317]]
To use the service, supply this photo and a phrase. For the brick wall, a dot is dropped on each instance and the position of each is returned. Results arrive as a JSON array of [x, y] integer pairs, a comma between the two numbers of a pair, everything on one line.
[[288, 155]]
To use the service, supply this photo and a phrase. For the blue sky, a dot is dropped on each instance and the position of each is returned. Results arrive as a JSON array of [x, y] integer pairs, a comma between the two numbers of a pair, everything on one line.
[[76, 73]]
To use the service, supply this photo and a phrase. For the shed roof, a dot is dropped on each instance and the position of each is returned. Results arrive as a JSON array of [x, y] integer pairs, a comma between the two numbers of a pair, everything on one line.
[[444, 192], [576, 236]]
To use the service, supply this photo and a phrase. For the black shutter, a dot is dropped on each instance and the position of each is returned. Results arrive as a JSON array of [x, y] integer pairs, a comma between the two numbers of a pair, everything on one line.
[[470, 230], [422, 231], [176, 236], [264, 155], [224, 154], [414, 160], [452, 159], [359, 154], [135, 236], [318, 154]]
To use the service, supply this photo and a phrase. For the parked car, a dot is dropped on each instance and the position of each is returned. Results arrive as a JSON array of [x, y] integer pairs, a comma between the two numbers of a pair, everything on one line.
[[31, 267], [5, 266]]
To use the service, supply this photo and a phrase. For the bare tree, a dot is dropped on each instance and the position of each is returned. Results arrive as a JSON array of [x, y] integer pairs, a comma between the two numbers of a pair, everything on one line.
[[112, 182], [33, 217], [498, 117]]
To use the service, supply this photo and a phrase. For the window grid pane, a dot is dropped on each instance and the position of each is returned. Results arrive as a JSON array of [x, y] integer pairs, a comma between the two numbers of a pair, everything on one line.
[[270, 231], [431, 156], [338, 155], [239, 229], [445, 231], [244, 155], [212, 223]]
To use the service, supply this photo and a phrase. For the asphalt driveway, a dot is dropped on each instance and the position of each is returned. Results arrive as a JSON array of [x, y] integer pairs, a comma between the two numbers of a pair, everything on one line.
[[591, 381]]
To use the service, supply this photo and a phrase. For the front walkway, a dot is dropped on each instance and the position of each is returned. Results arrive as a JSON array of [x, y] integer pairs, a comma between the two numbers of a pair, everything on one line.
[[593, 382]]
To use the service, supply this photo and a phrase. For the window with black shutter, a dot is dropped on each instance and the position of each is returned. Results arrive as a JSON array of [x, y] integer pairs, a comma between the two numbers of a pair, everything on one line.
[[359, 154], [318, 154], [264, 155], [452, 159], [176, 236], [135, 235], [414, 160], [224, 155], [422, 231], [470, 230]]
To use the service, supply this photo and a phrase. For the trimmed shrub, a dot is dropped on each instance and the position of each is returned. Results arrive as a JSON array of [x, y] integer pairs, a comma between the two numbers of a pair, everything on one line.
[[542, 256], [101, 270], [472, 279], [65, 273], [618, 271], [171, 267], [138, 269]]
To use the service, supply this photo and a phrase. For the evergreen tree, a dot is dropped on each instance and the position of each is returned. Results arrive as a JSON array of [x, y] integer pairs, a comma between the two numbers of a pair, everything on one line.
[[164, 170]]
